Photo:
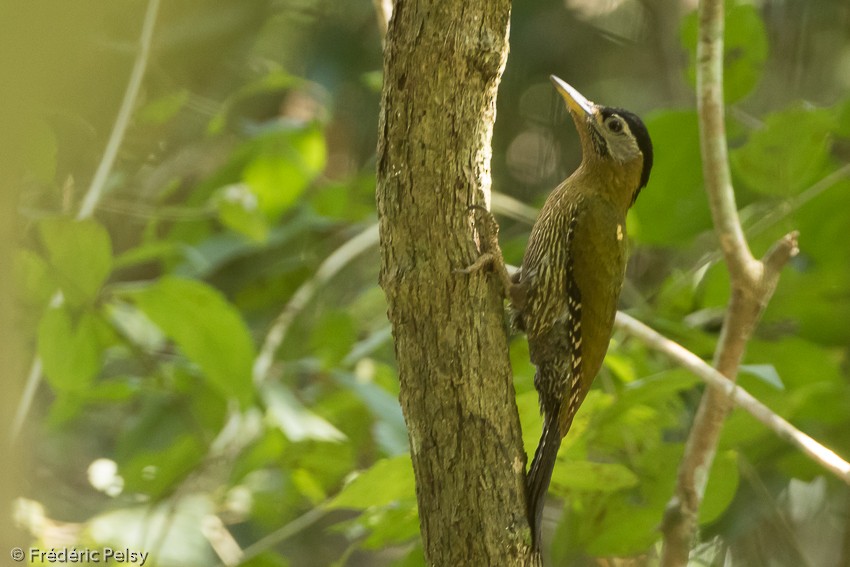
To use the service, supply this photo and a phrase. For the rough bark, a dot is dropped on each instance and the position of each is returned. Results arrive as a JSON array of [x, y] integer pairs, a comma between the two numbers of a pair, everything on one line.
[[442, 65]]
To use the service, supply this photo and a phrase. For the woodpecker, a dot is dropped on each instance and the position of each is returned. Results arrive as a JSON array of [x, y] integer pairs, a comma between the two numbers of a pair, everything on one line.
[[565, 294]]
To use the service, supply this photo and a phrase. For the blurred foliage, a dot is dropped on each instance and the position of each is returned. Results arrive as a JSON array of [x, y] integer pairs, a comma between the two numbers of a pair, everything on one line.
[[249, 160]]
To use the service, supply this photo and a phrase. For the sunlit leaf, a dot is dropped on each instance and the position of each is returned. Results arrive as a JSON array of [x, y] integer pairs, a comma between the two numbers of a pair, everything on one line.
[[157, 251], [627, 529], [416, 558], [287, 162], [33, 285], [788, 154], [179, 520], [69, 349], [592, 477], [722, 484], [333, 336], [238, 210], [385, 482], [660, 386], [207, 328], [80, 255], [391, 526], [296, 421], [155, 472], [308, 486], [765, 372]]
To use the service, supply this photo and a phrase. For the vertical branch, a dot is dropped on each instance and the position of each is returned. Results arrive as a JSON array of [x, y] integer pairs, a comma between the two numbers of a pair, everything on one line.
[[712, 117], [753, 283], [443, 60]]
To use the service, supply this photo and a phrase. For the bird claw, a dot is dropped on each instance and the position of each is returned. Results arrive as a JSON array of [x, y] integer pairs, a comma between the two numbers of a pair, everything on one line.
[[485, 260], [491, 254]]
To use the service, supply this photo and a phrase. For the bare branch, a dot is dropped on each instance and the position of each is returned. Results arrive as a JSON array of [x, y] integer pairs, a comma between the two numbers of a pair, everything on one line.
[[824, 456], [718, 179], [753, 283]]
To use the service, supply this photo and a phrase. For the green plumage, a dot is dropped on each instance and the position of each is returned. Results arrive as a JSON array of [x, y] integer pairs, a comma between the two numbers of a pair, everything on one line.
[[573, 271]]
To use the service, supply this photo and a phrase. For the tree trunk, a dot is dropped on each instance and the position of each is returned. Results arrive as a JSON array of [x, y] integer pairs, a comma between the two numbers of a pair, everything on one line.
[[442, 65]]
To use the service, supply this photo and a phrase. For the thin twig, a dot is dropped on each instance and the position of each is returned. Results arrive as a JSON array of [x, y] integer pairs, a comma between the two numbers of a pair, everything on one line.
[[340, 257], [824, 456], [98, 182]]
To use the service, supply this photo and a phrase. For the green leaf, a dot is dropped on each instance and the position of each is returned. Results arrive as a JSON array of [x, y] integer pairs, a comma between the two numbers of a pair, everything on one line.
[[333, 336], [391, 526], [657, 387], [179, 521], [308, 486], [675, 189], [69, 350], [766, 372], [33, 285], [788, 154], [238, 210], [207, 328], [162, 109], [416, 558], [286, 164], [721, 487], [157, 472], [387, 481], [80, 253], [293, 419], [591, 477], [745, 48], [157, 251], [626, 529]]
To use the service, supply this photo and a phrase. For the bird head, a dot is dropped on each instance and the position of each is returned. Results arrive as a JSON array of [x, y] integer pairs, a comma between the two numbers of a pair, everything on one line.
[[609, 134]]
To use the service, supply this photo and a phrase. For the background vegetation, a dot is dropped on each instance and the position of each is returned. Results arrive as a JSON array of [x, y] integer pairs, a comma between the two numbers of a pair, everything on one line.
[[249, 160]]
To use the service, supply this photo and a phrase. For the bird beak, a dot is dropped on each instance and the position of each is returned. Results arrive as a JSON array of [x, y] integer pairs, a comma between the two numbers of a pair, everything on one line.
[[575, 100]]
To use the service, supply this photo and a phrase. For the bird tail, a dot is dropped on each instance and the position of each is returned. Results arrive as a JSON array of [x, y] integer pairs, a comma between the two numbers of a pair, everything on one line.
[[540, 474]]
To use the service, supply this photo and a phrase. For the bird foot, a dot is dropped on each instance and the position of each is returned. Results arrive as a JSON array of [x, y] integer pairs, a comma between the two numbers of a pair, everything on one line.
[[491, 255]]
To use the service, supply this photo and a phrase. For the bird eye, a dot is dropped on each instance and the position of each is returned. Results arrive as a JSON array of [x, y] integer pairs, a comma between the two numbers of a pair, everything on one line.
[[614, 124]]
